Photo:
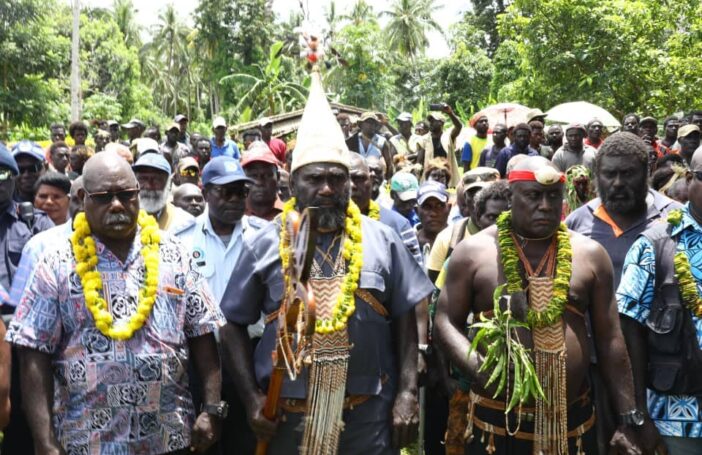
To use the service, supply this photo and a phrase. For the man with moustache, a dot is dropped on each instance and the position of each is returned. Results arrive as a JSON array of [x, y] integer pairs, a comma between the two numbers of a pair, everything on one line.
[[374, 345], [626, 207], [478, 266], [90, 370]]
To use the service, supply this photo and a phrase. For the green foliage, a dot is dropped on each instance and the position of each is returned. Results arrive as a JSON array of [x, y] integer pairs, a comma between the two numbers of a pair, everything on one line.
[[269, 92], [365, 81], [624, 55], [101, 106]]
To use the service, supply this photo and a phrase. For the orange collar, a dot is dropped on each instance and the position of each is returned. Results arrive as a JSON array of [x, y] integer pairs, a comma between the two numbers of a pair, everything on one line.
[[601, 213]]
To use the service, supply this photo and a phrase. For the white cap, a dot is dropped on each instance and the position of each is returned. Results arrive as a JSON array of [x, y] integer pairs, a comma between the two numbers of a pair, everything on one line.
[[264, 121], [146, 144], [319, 137], [219, 121]]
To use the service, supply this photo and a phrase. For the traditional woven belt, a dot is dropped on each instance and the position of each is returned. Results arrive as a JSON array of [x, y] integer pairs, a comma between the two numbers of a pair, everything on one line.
[[362, 294], [295, 406], [524, 411], [499, 431]]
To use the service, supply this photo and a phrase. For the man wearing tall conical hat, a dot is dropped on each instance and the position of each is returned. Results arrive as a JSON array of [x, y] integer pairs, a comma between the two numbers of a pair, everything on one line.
[[552, 278], [358, 390]]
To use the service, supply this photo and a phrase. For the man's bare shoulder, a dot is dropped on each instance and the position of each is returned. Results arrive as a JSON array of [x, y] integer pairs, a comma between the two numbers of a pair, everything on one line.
[[476, 247], [586, 249]]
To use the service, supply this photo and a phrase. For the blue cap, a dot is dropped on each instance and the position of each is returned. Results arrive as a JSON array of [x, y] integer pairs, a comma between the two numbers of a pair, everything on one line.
[[28, 148], [223, 170], [153, 161], [432, 189], [7, 160]]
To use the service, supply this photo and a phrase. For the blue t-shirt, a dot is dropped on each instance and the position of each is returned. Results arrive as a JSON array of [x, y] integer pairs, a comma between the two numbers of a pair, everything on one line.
[[228, 149]]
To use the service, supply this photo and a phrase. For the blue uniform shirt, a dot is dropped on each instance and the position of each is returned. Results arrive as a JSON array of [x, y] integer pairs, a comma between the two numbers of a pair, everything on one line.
[[389, 272]]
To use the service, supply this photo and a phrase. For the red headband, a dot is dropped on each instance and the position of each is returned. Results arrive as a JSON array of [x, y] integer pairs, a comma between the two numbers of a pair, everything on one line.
[[544, 176]]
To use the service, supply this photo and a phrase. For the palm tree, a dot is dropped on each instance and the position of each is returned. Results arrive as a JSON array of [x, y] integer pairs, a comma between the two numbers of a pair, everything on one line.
[[124, 15], [168, 61], [410, 20], [360, 12]]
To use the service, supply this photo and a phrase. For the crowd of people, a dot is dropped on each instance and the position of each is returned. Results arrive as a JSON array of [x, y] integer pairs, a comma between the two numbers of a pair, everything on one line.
[[145, 281]]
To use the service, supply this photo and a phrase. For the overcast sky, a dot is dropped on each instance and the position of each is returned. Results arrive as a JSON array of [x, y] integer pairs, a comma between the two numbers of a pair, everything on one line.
[[147, 13]]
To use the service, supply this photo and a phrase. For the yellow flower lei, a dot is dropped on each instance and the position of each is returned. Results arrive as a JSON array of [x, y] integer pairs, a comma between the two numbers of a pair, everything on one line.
[[352, 252], [561, 283], [374, 210], [687, 283], [86, 263]]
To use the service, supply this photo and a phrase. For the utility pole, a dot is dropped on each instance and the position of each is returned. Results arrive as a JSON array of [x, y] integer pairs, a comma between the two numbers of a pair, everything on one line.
[[75, 64]]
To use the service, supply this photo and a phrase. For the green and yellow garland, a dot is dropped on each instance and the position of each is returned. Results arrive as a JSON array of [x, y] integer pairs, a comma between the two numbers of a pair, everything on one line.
[[86, 268], [353, 254], [561, 283], [687, 283]]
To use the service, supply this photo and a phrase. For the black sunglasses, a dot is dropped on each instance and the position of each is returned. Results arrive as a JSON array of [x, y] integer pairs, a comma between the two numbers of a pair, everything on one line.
[[106, 197]]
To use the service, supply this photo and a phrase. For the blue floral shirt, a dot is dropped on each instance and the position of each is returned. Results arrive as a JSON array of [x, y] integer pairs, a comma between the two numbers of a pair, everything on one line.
[[117, 397], [674, 415]]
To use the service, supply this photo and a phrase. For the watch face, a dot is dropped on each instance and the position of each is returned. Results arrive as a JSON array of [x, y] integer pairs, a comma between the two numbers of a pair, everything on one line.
[[638, 418]]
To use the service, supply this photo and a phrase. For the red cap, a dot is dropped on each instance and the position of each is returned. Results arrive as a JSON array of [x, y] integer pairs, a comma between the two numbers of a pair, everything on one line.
[[259, 152]]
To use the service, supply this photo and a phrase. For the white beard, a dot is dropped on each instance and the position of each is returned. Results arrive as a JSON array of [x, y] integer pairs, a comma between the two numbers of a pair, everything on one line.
[[153, 201]]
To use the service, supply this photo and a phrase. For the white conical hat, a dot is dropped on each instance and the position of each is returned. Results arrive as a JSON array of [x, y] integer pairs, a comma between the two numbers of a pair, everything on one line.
[[319, 137]]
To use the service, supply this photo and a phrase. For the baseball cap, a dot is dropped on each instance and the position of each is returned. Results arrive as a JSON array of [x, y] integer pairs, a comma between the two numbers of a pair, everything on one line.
[[687, 130], [223, 170], [134, 122], [368, 116], [405, 185], [264, 121], [28, 148], [648, 120], [481, 174], [432, 189], [404, 117], [179, 118], [219, 121], [153, 161], [535, 114], [7, 160], [173, 125], [576, 126], [436, 116], [259, 152], [145, 145], [186, 162]]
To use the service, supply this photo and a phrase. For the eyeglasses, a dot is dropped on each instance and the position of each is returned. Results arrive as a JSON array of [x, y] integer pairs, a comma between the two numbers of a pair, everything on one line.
[[227, 192], [106, 197], [5, 174], [31, 169], [188, 172], [698, 175]]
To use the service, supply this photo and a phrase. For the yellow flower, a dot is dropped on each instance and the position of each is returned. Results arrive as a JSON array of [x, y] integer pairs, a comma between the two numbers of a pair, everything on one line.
[[86, 261]]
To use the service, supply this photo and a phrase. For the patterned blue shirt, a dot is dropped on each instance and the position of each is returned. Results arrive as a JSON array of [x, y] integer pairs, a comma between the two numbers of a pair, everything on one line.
[[117, 397], [674, 415]]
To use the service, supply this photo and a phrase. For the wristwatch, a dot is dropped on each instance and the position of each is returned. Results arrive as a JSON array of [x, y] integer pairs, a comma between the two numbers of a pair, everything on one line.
[[423, 348], [220, 409], [633, 418]]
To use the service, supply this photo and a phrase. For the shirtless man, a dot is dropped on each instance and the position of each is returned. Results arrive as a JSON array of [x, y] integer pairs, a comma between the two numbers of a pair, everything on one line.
[[473, 274]]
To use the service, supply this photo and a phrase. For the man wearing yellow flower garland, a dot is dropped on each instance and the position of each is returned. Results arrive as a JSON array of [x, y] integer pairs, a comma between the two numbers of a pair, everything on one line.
[[659, 300], [106, 328], [553, 276], [358, 394]]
